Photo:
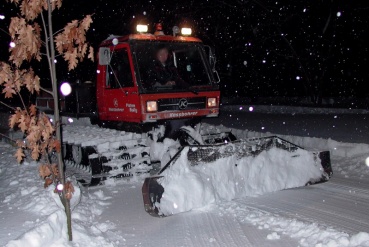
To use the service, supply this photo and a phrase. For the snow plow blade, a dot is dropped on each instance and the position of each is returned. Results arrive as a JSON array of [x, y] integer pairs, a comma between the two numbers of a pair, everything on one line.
[[201, 175]]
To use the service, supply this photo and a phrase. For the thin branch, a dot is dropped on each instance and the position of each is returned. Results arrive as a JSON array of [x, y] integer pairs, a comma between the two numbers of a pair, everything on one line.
[[21, 98], [8, 106], [45, 54], [47, 91], [60, 30], [5, 31], [7, 137], [46, 42]]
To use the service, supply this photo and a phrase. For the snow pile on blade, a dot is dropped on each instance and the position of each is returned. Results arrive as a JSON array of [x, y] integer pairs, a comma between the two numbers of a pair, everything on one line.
[[189, 185]]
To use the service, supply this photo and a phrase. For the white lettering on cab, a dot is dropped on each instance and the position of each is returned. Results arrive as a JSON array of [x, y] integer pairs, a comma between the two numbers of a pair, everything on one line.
[[132, 107]]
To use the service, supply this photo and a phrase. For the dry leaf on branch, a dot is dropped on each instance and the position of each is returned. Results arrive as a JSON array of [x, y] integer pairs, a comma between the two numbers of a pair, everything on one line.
[[91, 54], [13, 79], [32, 8], [33, 110], [31, 81], [48, 181], [35, 151], [13, 119], [54, 145], [69, 190], [24, 122], [44, 170], [27, 39], [55, 170], [86, 22], [8, 90], [19, 155], [71, 43]]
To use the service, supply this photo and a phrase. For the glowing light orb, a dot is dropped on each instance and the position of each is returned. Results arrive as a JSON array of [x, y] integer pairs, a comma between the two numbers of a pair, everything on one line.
[[12, 44], [115, 41], [65, 88], [367, 162], [251, 108], [60, 187]]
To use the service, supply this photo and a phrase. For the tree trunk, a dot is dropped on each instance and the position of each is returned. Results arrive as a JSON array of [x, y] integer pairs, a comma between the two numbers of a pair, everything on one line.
[[54, 83]]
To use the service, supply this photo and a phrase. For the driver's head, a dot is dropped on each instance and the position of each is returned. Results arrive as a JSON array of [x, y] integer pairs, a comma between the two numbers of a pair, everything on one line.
[[162, 54]]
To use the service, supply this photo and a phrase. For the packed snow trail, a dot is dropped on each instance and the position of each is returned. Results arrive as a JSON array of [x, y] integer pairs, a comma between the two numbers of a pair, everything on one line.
[[334, 212], [208, 226], [339, 203]]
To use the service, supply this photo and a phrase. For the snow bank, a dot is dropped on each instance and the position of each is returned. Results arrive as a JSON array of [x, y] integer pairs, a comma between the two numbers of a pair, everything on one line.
[[51, 232], [336, 148], [37, 215], [293, 109], [187, 187]]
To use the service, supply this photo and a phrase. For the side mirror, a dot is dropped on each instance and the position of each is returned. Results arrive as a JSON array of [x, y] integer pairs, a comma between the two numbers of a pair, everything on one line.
[[212, 62], [104, 56], [211, 56]]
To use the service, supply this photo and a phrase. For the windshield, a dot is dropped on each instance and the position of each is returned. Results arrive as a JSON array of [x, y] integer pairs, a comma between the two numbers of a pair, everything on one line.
[[167, 66]]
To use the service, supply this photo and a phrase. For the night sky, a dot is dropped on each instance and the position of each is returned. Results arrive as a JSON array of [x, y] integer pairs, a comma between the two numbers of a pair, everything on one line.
[[264, 48]]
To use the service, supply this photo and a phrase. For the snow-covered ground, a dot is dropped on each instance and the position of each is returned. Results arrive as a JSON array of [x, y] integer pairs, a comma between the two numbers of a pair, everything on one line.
[[329, 214]]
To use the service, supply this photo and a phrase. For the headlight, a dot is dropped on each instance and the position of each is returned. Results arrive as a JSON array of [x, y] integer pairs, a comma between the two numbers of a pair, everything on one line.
[[212, 102], [151, 106]]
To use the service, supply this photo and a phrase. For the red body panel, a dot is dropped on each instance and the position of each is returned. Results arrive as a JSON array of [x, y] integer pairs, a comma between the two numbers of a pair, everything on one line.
[[175, 114], [127, 104]]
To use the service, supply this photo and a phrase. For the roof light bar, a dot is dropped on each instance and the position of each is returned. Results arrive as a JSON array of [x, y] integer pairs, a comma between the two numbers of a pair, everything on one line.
[[141, 28], [186, 31]]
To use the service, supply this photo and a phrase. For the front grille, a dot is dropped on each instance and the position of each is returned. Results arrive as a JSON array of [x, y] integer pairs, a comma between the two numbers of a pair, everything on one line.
[[181, 104]]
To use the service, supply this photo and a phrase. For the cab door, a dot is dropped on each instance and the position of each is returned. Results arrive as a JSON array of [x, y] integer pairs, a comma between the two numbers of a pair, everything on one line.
[[121, 91]]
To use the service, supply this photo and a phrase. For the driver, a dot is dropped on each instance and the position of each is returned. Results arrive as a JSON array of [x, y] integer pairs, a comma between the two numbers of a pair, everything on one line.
[[164, 73]]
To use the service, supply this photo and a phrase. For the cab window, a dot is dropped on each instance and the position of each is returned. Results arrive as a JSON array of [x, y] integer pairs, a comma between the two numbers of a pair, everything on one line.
[[119, 70]]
